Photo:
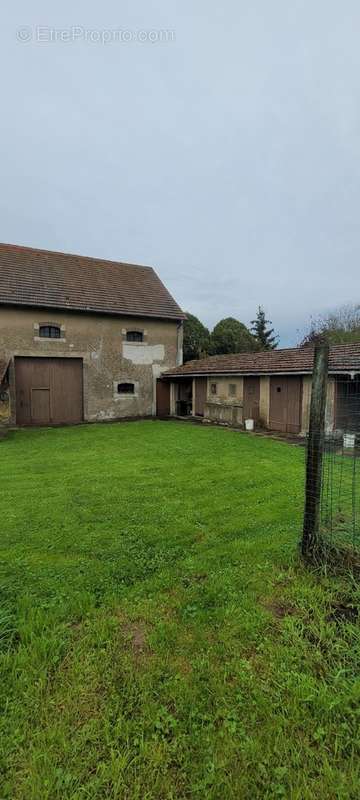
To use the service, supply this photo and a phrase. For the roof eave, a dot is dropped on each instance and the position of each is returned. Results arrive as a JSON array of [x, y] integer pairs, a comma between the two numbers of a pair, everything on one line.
[[79, 309], [255, 373]]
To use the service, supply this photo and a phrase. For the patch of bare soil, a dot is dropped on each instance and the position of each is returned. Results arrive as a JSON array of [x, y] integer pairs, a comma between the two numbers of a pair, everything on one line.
[[278, 608], [182, 665], [343, 612], [339, 558], [136, 636]]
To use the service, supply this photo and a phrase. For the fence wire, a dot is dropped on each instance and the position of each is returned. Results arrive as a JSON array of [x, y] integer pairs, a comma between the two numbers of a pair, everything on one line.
[[340, 490]]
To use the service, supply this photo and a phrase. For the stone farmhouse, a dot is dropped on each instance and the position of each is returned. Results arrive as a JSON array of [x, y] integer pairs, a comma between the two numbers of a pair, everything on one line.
[[81, 339]]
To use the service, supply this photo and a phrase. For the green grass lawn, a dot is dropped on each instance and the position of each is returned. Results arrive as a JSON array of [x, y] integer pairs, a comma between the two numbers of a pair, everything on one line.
[[159, 637]]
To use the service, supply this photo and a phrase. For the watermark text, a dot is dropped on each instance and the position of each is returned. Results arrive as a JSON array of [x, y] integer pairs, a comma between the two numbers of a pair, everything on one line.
[[45, 34]]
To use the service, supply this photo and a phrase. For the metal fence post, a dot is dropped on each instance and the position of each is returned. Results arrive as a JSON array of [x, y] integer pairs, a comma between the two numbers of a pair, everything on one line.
[[311, 530]]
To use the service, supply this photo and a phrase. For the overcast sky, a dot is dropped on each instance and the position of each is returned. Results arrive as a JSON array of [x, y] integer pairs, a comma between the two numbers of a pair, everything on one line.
[[226, 153]]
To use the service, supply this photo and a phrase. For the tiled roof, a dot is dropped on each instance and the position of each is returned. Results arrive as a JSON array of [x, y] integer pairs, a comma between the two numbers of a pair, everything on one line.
[[343, 357], [31, 277]]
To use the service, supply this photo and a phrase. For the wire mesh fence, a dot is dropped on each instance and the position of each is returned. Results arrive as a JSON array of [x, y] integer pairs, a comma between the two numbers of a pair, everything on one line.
[[332, 514], [340, 495], [340, 485]]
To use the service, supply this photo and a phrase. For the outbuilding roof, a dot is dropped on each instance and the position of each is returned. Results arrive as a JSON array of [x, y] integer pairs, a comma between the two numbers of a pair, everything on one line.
[[343, 358], [32, 277]]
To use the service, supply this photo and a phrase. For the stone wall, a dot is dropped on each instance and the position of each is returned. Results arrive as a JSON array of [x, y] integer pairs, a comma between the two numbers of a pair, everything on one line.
[[223, 384], [224, 413], [108, 358]]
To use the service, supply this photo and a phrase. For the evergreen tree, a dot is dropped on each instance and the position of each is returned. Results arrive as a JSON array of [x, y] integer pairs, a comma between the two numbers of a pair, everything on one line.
[[264, 336]]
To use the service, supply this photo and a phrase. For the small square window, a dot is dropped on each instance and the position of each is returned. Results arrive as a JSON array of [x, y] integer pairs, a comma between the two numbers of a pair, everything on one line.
[[126, 388], [232, 389], [213, 388], [134, 336]]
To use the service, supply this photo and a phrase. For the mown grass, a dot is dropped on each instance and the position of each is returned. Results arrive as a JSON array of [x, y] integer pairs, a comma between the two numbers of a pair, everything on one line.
[[159, 637]]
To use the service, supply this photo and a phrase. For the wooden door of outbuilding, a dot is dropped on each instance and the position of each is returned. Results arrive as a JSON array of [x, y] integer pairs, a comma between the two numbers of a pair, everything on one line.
[[200, 396], [251, 398], [162, 398], [49, 391], [285, 403]]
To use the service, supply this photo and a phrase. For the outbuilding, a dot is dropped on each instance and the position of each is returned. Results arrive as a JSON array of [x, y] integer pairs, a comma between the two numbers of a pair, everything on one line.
[[273, 388]]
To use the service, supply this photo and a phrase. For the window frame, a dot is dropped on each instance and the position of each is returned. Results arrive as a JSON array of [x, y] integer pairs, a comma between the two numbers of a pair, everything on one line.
[[234, 387], [127, 393], [134, 336], [213, 389], [50, 327]]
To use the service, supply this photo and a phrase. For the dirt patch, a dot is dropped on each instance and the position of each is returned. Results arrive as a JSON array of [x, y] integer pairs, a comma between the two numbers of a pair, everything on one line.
[[278, 608], [339, 559], [343, 612], [182, 666], [136, 638], [77, 625]]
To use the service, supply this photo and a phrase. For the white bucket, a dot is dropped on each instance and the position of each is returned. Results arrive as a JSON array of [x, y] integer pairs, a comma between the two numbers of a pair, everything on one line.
[[349, 440], [249, 424]]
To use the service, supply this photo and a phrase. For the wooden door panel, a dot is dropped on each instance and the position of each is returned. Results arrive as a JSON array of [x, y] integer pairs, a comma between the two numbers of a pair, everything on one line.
[[48, 390], [40, 406], [200, 395], [66, 390], [251, 398], [294, 405], [278, 401], [30, 374], [285, 404], [23, 395], [162, 398]]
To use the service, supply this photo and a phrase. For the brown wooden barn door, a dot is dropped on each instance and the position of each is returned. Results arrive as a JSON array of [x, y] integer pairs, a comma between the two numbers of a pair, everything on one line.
[[162, 398], [251, 398], [278, 403], [66, 390], [40, 406], [48, 391], [285, 404], [294, 405], [200, 396], [32, 376]]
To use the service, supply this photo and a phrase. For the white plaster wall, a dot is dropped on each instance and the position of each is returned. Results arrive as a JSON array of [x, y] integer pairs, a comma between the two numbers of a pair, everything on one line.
[[222, 385], [143, 353]]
